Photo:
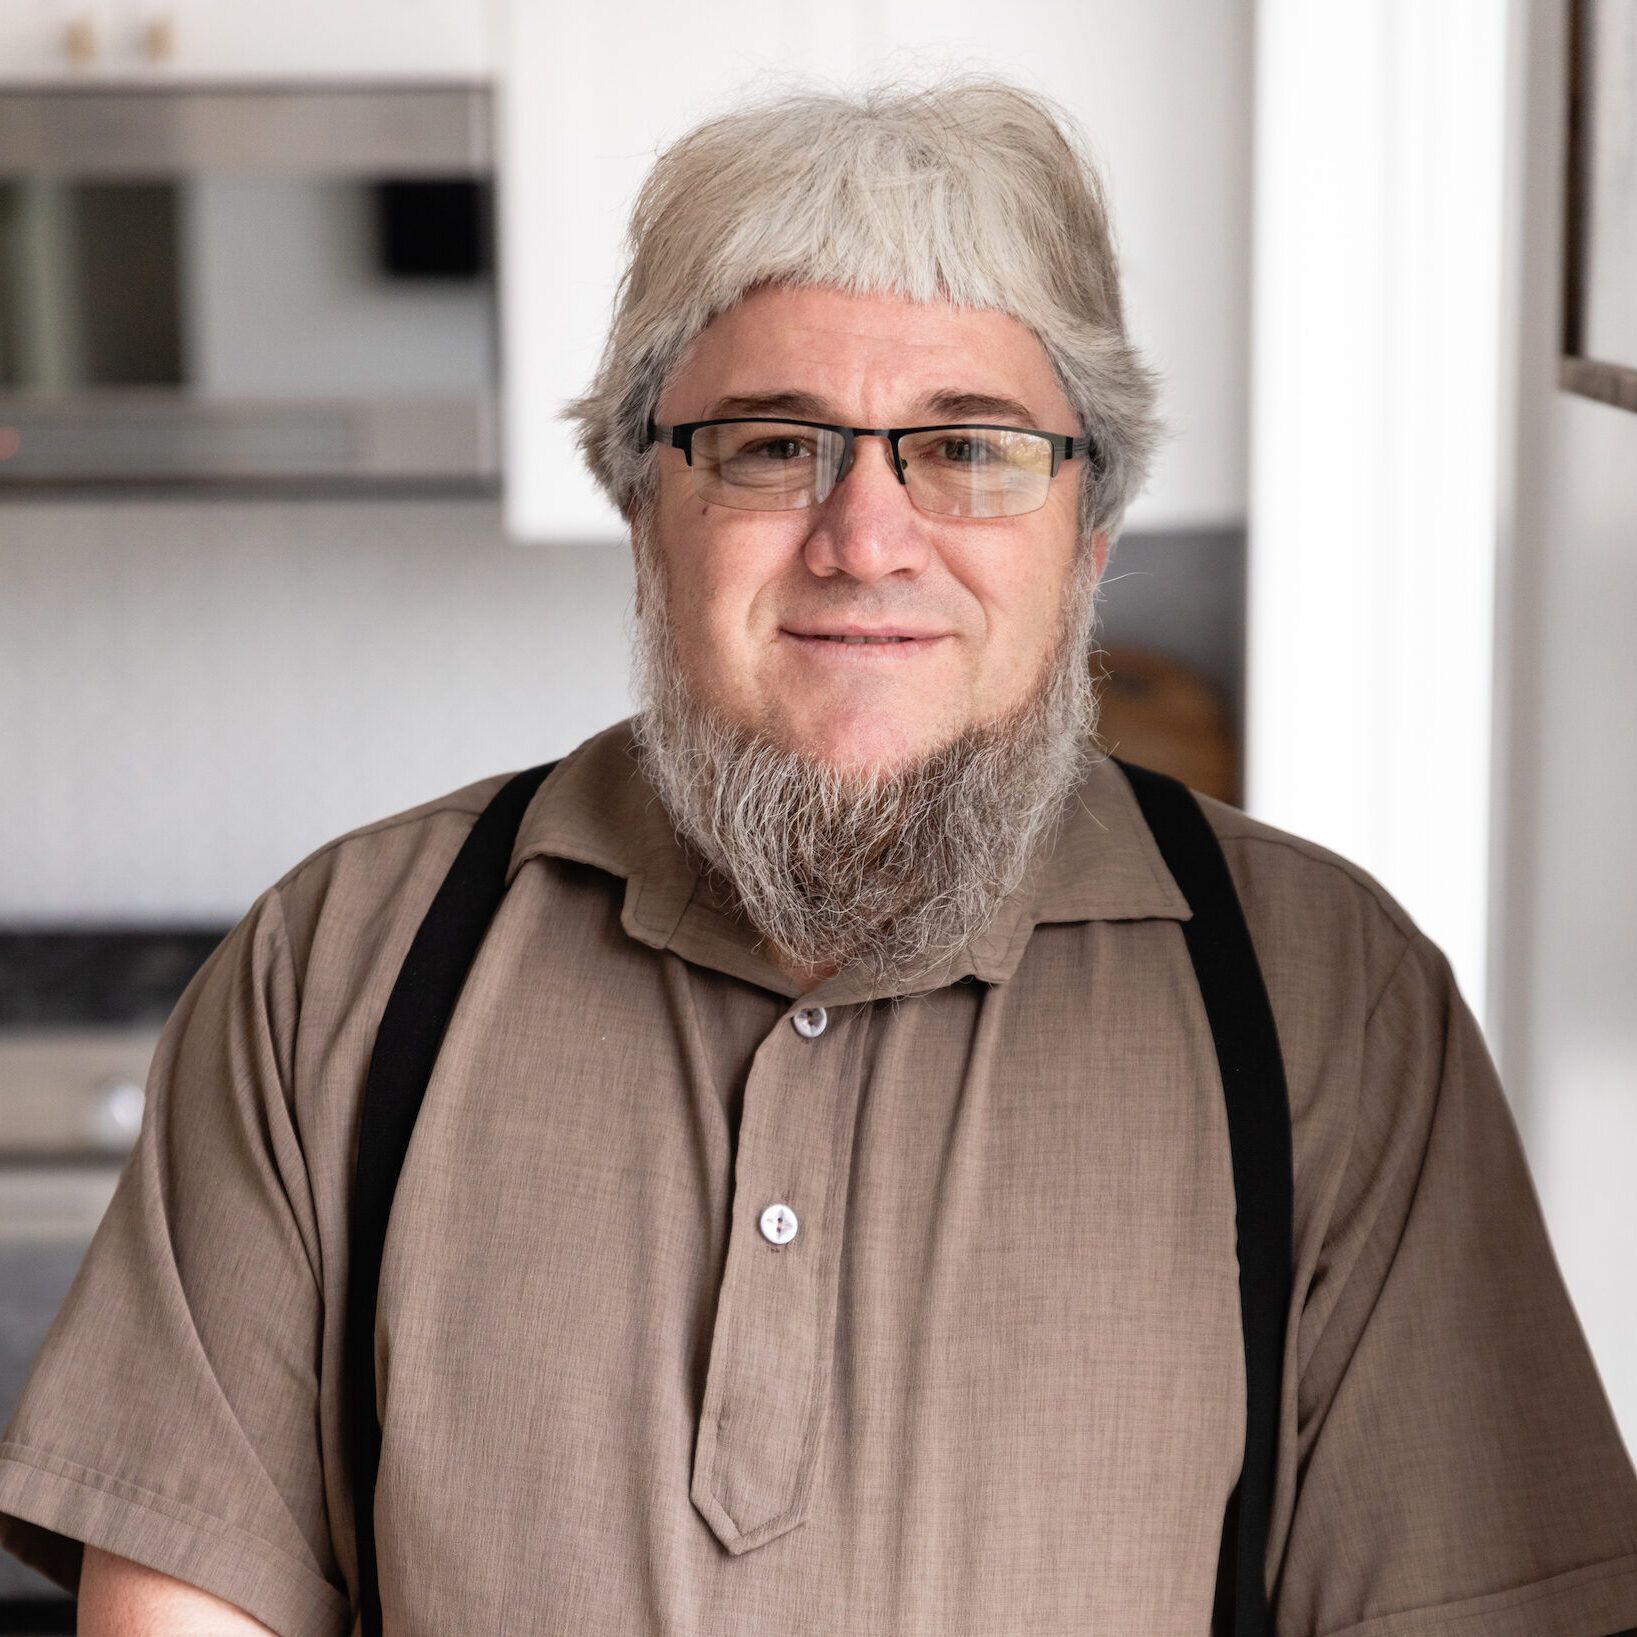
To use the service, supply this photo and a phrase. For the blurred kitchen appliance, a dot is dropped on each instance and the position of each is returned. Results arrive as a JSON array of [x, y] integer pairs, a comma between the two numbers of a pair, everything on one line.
[[269, 286], [80, 1015]]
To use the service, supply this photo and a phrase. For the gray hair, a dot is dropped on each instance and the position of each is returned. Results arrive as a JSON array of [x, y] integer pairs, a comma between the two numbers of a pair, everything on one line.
[[973, 192]]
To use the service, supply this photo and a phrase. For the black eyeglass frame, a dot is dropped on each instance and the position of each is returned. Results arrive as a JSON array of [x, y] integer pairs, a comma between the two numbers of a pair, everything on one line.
[[1065, 446]]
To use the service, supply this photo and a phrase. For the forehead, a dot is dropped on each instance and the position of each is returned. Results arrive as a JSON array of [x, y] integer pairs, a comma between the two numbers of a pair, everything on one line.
[[863, 353]]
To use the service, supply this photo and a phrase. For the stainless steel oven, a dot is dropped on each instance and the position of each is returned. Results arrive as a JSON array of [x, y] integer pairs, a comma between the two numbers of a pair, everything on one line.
[[80, 1014], [287, 286]]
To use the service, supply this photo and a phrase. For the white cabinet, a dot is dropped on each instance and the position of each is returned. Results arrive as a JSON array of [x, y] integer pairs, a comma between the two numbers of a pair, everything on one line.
[[1161, 90], [51, 40], [63, 42]]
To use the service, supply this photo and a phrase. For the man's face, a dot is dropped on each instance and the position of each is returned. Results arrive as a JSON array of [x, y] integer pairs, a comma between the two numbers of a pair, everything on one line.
[[752, 594]]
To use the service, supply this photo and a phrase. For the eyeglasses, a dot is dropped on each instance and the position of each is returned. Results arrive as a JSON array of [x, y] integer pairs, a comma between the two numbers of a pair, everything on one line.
[[761, 464]]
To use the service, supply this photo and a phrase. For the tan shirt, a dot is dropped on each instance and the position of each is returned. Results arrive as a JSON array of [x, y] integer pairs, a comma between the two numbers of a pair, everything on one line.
[[993, 1383]]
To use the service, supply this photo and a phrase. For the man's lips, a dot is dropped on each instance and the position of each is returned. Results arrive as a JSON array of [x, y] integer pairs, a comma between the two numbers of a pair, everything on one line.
[[848, 646], [861, 636]]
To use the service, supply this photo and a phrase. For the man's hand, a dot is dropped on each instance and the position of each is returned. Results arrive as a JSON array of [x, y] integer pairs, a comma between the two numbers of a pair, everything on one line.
[[119, 1598]]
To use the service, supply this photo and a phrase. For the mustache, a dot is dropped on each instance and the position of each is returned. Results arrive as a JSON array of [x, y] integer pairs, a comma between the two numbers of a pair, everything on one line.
[[913, 614]]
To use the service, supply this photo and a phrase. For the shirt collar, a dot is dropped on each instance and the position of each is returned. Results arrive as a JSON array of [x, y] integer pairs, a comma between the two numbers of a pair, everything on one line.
[[597, 808]]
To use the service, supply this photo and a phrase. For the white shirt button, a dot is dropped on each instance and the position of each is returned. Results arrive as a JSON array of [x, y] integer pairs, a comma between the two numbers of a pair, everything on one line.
[[779, 1224], [811, 1021]]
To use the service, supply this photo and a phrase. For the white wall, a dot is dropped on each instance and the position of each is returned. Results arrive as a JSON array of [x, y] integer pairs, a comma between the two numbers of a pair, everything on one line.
[[1442, 564], [1376, 350], [1564, 869], [199, 693]]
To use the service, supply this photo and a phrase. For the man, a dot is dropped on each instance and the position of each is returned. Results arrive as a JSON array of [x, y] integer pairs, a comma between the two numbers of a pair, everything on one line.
[[820, 1218]]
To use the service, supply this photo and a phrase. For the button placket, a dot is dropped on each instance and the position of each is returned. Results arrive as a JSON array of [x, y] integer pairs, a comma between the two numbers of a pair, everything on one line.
[[771, 1348]]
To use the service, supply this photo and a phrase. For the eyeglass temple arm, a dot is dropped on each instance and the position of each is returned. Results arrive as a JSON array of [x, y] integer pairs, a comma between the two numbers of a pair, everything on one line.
[[1086, 446]]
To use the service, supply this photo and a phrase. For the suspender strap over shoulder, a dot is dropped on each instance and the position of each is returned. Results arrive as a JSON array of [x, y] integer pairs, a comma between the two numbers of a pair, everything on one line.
[[1253, 1082], [1258, 1109], [406, 1047]]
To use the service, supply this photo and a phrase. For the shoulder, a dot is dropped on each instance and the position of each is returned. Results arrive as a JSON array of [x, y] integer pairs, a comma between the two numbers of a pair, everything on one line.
[[1370, 1020], [352, 905], [1268, 857], [404, 832], [366, 877], [1328, 933]]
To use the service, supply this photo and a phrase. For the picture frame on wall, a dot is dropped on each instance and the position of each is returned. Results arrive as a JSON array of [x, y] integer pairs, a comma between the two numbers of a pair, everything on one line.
[[1599, 357]]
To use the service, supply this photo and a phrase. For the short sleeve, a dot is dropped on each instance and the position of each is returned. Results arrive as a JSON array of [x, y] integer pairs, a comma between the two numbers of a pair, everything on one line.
[[1459, 1471], [172, 1414]]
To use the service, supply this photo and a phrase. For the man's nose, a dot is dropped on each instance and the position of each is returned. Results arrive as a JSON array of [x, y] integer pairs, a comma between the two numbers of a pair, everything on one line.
[[868, 527]]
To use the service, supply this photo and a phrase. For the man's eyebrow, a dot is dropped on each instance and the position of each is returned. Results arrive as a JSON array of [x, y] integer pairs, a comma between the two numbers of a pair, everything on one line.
[[978, 406], [801, 404], [948, 405]]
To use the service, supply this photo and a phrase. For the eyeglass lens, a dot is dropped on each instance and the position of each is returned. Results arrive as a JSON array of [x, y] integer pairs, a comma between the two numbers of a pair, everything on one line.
[[951, 471]]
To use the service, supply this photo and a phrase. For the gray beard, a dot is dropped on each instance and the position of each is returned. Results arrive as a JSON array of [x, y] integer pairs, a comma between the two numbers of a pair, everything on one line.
[[894, 871]]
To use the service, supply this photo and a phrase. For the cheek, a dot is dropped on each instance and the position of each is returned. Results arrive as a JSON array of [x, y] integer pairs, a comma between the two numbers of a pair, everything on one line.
[[1016, 588], [1019, 585], [725, 584], [724, 587]]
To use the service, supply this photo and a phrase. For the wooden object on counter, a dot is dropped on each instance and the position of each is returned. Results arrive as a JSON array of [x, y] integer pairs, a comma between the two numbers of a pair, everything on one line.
[[1162, 714]]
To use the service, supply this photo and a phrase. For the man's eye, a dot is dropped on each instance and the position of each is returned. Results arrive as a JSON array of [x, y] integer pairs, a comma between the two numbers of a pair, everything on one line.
[[962, 449], [778, 449]]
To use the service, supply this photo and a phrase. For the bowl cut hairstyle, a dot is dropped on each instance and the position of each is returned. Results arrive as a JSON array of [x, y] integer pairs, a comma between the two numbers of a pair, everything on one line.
[[972, 191]]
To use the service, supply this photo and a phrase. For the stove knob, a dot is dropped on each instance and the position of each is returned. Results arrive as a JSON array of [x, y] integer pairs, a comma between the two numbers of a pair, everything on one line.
[[116, 1114]]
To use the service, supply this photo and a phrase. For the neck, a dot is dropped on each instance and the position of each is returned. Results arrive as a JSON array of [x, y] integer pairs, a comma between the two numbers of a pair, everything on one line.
[[808, 977]]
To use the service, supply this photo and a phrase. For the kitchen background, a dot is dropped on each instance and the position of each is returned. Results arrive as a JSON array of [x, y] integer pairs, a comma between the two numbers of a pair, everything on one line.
[[291, 536]]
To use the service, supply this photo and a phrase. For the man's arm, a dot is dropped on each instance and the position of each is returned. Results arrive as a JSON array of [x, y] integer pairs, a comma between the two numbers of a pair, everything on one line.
[[172, 1414], [119, 1598], [1458, 1456]]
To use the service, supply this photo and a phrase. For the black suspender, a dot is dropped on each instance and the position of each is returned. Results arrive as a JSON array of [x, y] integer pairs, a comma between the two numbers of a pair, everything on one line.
[[1253, 1082], [1258, 1103], [406, 1046]]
